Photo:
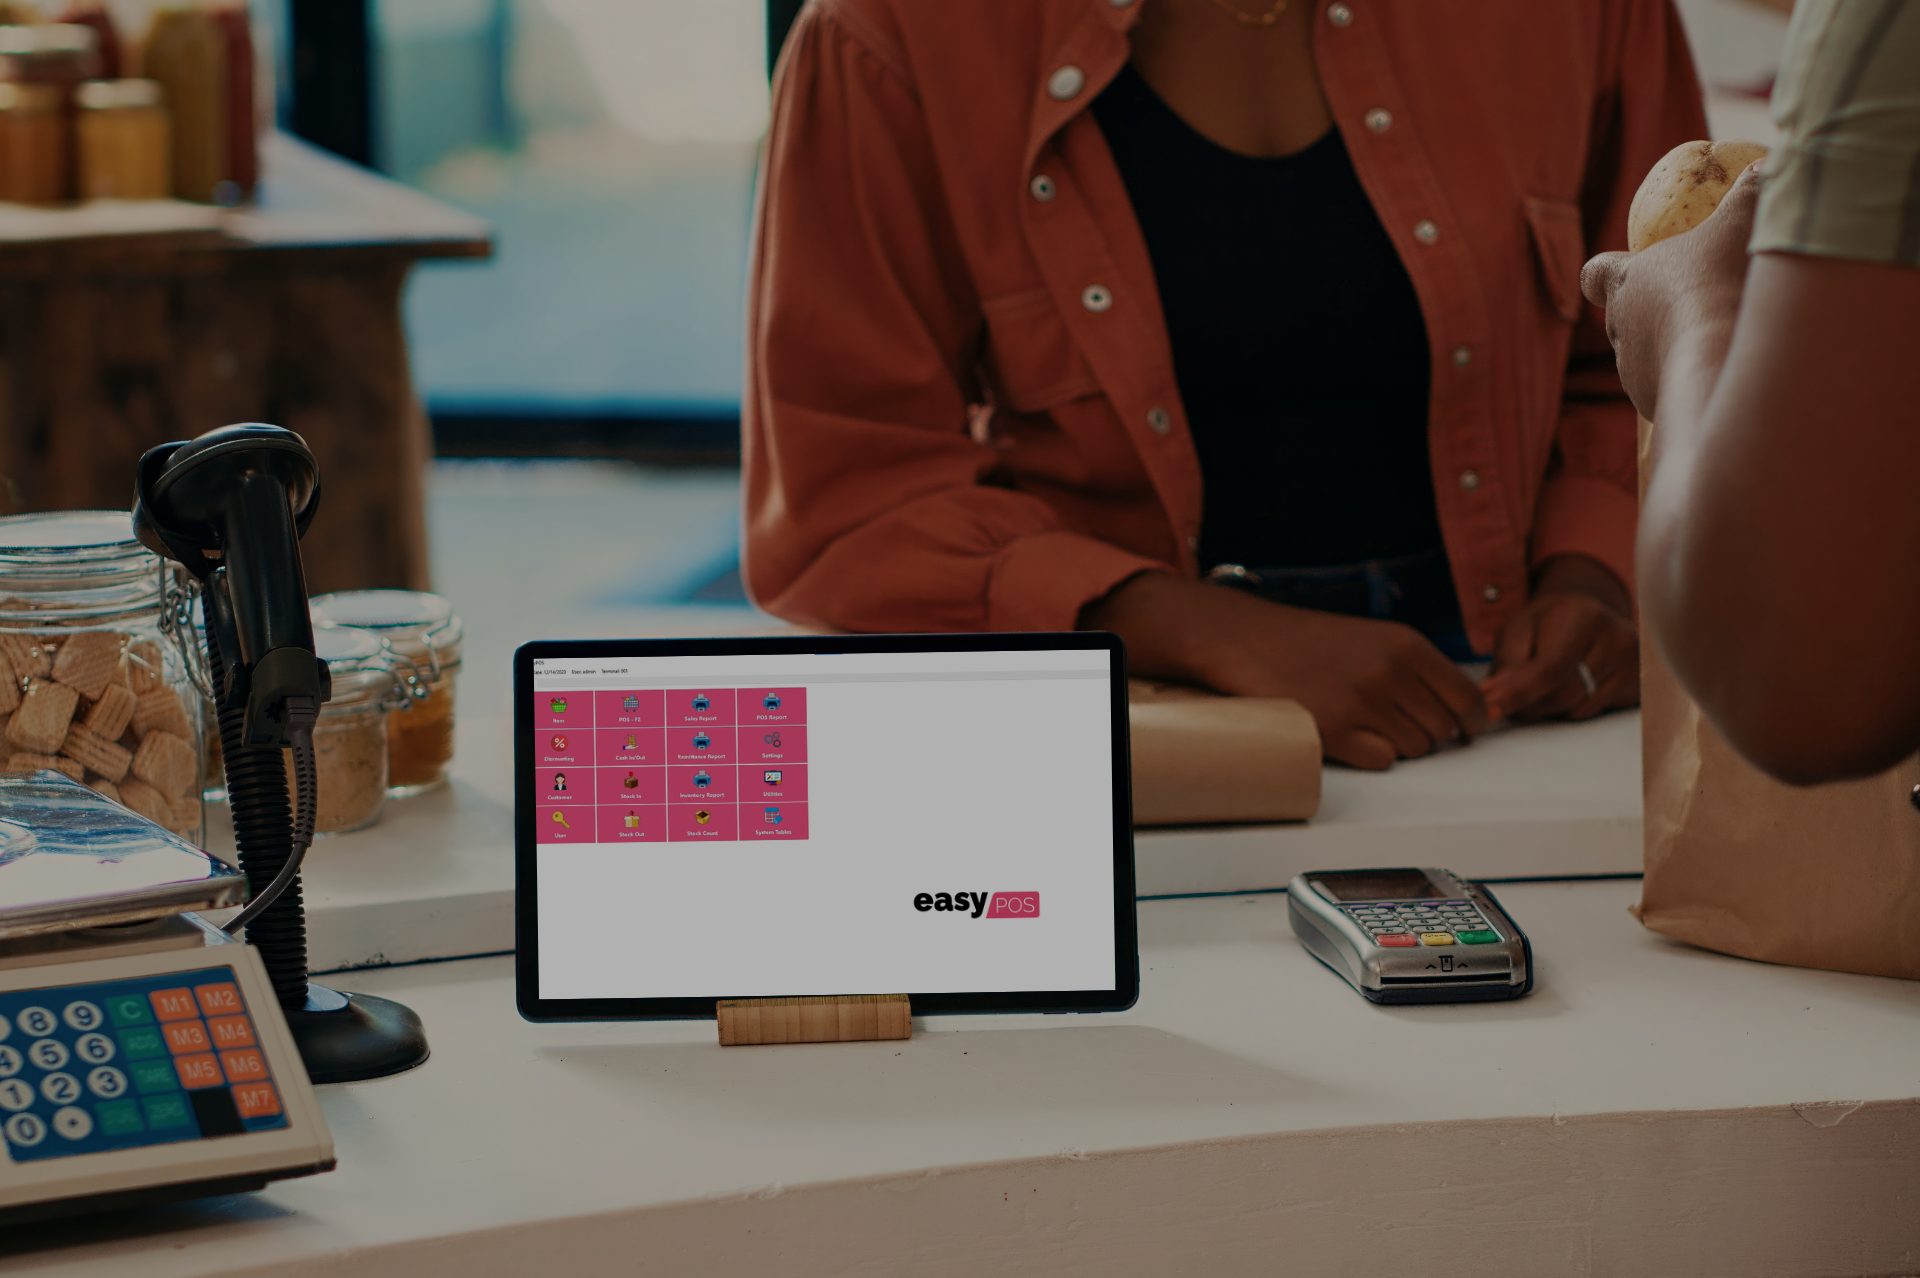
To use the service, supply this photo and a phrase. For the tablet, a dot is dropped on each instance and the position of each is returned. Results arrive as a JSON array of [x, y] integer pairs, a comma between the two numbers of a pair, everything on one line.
[[944, 816]]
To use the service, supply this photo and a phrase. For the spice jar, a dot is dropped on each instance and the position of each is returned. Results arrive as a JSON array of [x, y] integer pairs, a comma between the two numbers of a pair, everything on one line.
[[34, 145], [123, 141], [424, 632], [95, 679], [350, 737]]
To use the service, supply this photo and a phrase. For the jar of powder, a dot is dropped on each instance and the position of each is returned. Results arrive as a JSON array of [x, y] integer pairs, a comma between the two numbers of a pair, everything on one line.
[[424, 634], [350, 737]]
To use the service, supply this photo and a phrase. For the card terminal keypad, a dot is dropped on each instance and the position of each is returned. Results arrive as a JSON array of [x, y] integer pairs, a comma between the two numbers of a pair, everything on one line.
[[87, 1069], [1397, 924]]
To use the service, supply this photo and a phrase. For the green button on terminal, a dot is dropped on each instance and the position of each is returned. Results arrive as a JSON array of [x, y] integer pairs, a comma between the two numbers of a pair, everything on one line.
[[129, 1009], [166, 1113], [1483, 937], [120, 1118], [140, 1044], [154, 1076]]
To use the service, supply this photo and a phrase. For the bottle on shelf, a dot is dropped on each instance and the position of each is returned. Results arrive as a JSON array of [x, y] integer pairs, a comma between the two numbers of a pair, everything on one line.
[[186, 52]]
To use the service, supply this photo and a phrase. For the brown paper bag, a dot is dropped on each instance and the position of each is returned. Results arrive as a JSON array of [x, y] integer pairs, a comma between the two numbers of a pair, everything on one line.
[[1200, 759], [1737, 862]]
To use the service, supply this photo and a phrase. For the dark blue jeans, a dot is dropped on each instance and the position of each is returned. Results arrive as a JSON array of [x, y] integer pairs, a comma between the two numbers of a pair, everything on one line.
[[1415, 590]]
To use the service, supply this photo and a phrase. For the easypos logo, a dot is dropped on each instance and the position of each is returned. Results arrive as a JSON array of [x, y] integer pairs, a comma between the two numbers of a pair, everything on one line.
[[993, 905]]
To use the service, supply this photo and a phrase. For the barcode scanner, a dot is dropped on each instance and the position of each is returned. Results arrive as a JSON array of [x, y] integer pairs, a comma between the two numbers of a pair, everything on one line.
[[231, 507]]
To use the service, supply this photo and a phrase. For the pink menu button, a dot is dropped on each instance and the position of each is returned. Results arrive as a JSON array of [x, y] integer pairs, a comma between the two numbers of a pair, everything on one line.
[[702, 822], [635, 823], [773, 820]]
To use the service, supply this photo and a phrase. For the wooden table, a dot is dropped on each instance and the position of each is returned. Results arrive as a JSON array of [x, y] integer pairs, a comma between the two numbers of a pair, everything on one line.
[[1648, 1110], [124, 325]]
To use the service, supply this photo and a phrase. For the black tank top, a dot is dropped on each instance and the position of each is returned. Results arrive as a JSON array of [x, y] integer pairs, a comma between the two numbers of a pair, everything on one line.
[[1298, 341]]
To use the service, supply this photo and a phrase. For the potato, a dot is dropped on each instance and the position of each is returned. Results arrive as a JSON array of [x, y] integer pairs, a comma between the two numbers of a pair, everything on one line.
[[1684, 188]]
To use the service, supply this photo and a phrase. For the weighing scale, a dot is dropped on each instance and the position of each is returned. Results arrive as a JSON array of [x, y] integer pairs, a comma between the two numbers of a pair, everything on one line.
[[143, 1053]]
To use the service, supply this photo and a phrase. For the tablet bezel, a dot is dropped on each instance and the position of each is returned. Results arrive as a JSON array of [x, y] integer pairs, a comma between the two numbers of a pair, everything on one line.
[[1126, 989]]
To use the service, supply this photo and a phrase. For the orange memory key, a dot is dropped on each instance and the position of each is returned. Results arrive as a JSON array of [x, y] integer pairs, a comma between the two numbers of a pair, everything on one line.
[[256, 1100], [231, 1031], [198, 1071], [221, 999], [186, 1036], [244, 1066], [173, 1005]]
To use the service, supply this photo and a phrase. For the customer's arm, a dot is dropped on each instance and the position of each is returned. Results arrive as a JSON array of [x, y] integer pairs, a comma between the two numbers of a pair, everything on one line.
[[1581, 544], [1780, 549], [867, 501]]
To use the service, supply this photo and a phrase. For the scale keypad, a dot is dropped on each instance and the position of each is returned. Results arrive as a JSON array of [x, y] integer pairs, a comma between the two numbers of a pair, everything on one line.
[[1403, 924], [87, 1069]]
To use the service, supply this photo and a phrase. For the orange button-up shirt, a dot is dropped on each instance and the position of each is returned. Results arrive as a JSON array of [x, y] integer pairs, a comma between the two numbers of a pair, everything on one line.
[[961, 410]]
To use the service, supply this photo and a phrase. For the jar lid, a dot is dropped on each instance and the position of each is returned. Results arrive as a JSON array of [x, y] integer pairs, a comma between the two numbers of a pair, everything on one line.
[[48, 39], [119, 95], [359, 664], [420, 626], [89, 556]]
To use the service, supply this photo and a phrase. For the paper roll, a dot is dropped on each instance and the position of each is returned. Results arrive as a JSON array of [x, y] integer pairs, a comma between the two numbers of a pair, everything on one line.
[[1206, 760]]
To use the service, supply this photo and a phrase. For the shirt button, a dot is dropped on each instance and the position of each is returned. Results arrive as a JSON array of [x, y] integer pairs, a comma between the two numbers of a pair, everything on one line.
[[1379, 119], [1470, 480], [1042, 187], [1066, 83], [1426, 230], [1096, 298], [1339, 15], [1159, 421], [1491, 594], [1462, 356]]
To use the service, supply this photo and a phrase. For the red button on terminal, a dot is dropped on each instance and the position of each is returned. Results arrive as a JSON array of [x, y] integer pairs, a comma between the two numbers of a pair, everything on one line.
[[1396, 940]]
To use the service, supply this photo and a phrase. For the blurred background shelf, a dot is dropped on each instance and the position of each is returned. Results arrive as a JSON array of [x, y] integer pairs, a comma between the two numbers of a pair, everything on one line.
[[122, 326]]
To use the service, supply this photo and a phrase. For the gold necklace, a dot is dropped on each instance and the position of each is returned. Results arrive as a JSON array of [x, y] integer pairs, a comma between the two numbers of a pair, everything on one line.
[[1245, 19]]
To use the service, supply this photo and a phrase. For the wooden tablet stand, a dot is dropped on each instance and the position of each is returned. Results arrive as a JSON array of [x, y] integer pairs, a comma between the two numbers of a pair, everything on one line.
[[823, 1018]]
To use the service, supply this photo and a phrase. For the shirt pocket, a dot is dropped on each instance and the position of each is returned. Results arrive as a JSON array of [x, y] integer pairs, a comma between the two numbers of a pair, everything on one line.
[[1031, 363], [1560, 248]]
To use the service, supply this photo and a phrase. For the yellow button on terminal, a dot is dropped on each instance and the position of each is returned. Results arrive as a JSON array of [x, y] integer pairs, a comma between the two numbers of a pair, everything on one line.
[[1436, 938]]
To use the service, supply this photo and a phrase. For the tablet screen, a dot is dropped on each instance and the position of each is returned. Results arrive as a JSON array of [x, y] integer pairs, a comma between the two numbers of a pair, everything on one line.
[[739, 824]]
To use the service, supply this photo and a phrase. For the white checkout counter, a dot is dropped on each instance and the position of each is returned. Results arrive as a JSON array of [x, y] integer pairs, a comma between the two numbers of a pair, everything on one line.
[[1649, 1109]]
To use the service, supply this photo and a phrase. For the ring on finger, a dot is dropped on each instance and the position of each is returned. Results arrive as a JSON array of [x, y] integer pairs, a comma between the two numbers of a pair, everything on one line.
[[1587, 680]]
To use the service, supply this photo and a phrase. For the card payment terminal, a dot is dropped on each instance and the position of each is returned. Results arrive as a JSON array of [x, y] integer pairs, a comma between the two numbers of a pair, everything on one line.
[[1411, 935], [142, 1052]]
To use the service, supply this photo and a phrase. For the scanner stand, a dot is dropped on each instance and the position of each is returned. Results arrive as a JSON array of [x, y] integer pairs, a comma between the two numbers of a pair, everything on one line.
[[821, 1018]]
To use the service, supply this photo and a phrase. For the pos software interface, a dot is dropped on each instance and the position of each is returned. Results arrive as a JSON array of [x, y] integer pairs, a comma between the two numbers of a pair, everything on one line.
[[942, 816]]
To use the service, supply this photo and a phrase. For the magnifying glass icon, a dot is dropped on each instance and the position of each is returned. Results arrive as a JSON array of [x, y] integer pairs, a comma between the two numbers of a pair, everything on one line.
[[560, 819]]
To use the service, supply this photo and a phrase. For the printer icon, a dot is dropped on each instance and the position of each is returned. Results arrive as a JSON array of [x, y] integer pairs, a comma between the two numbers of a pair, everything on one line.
[[771, 701], [701, 741], [701, 701]]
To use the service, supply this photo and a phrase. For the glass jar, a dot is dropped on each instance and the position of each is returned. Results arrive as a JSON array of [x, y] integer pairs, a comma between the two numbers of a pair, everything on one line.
[[425, 633], [350, 738], [34, 144], [122, 135], [95, 681]]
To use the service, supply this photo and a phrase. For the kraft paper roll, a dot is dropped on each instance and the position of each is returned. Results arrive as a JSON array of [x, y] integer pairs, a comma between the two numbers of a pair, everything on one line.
[[1206, 760]]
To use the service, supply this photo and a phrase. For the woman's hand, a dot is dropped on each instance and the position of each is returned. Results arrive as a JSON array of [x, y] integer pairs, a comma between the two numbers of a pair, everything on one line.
[[1378, 690], [1572, 653]]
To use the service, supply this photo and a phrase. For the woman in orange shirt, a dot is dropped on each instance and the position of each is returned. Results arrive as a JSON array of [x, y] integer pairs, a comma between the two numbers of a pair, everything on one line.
[[1248, 329]]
